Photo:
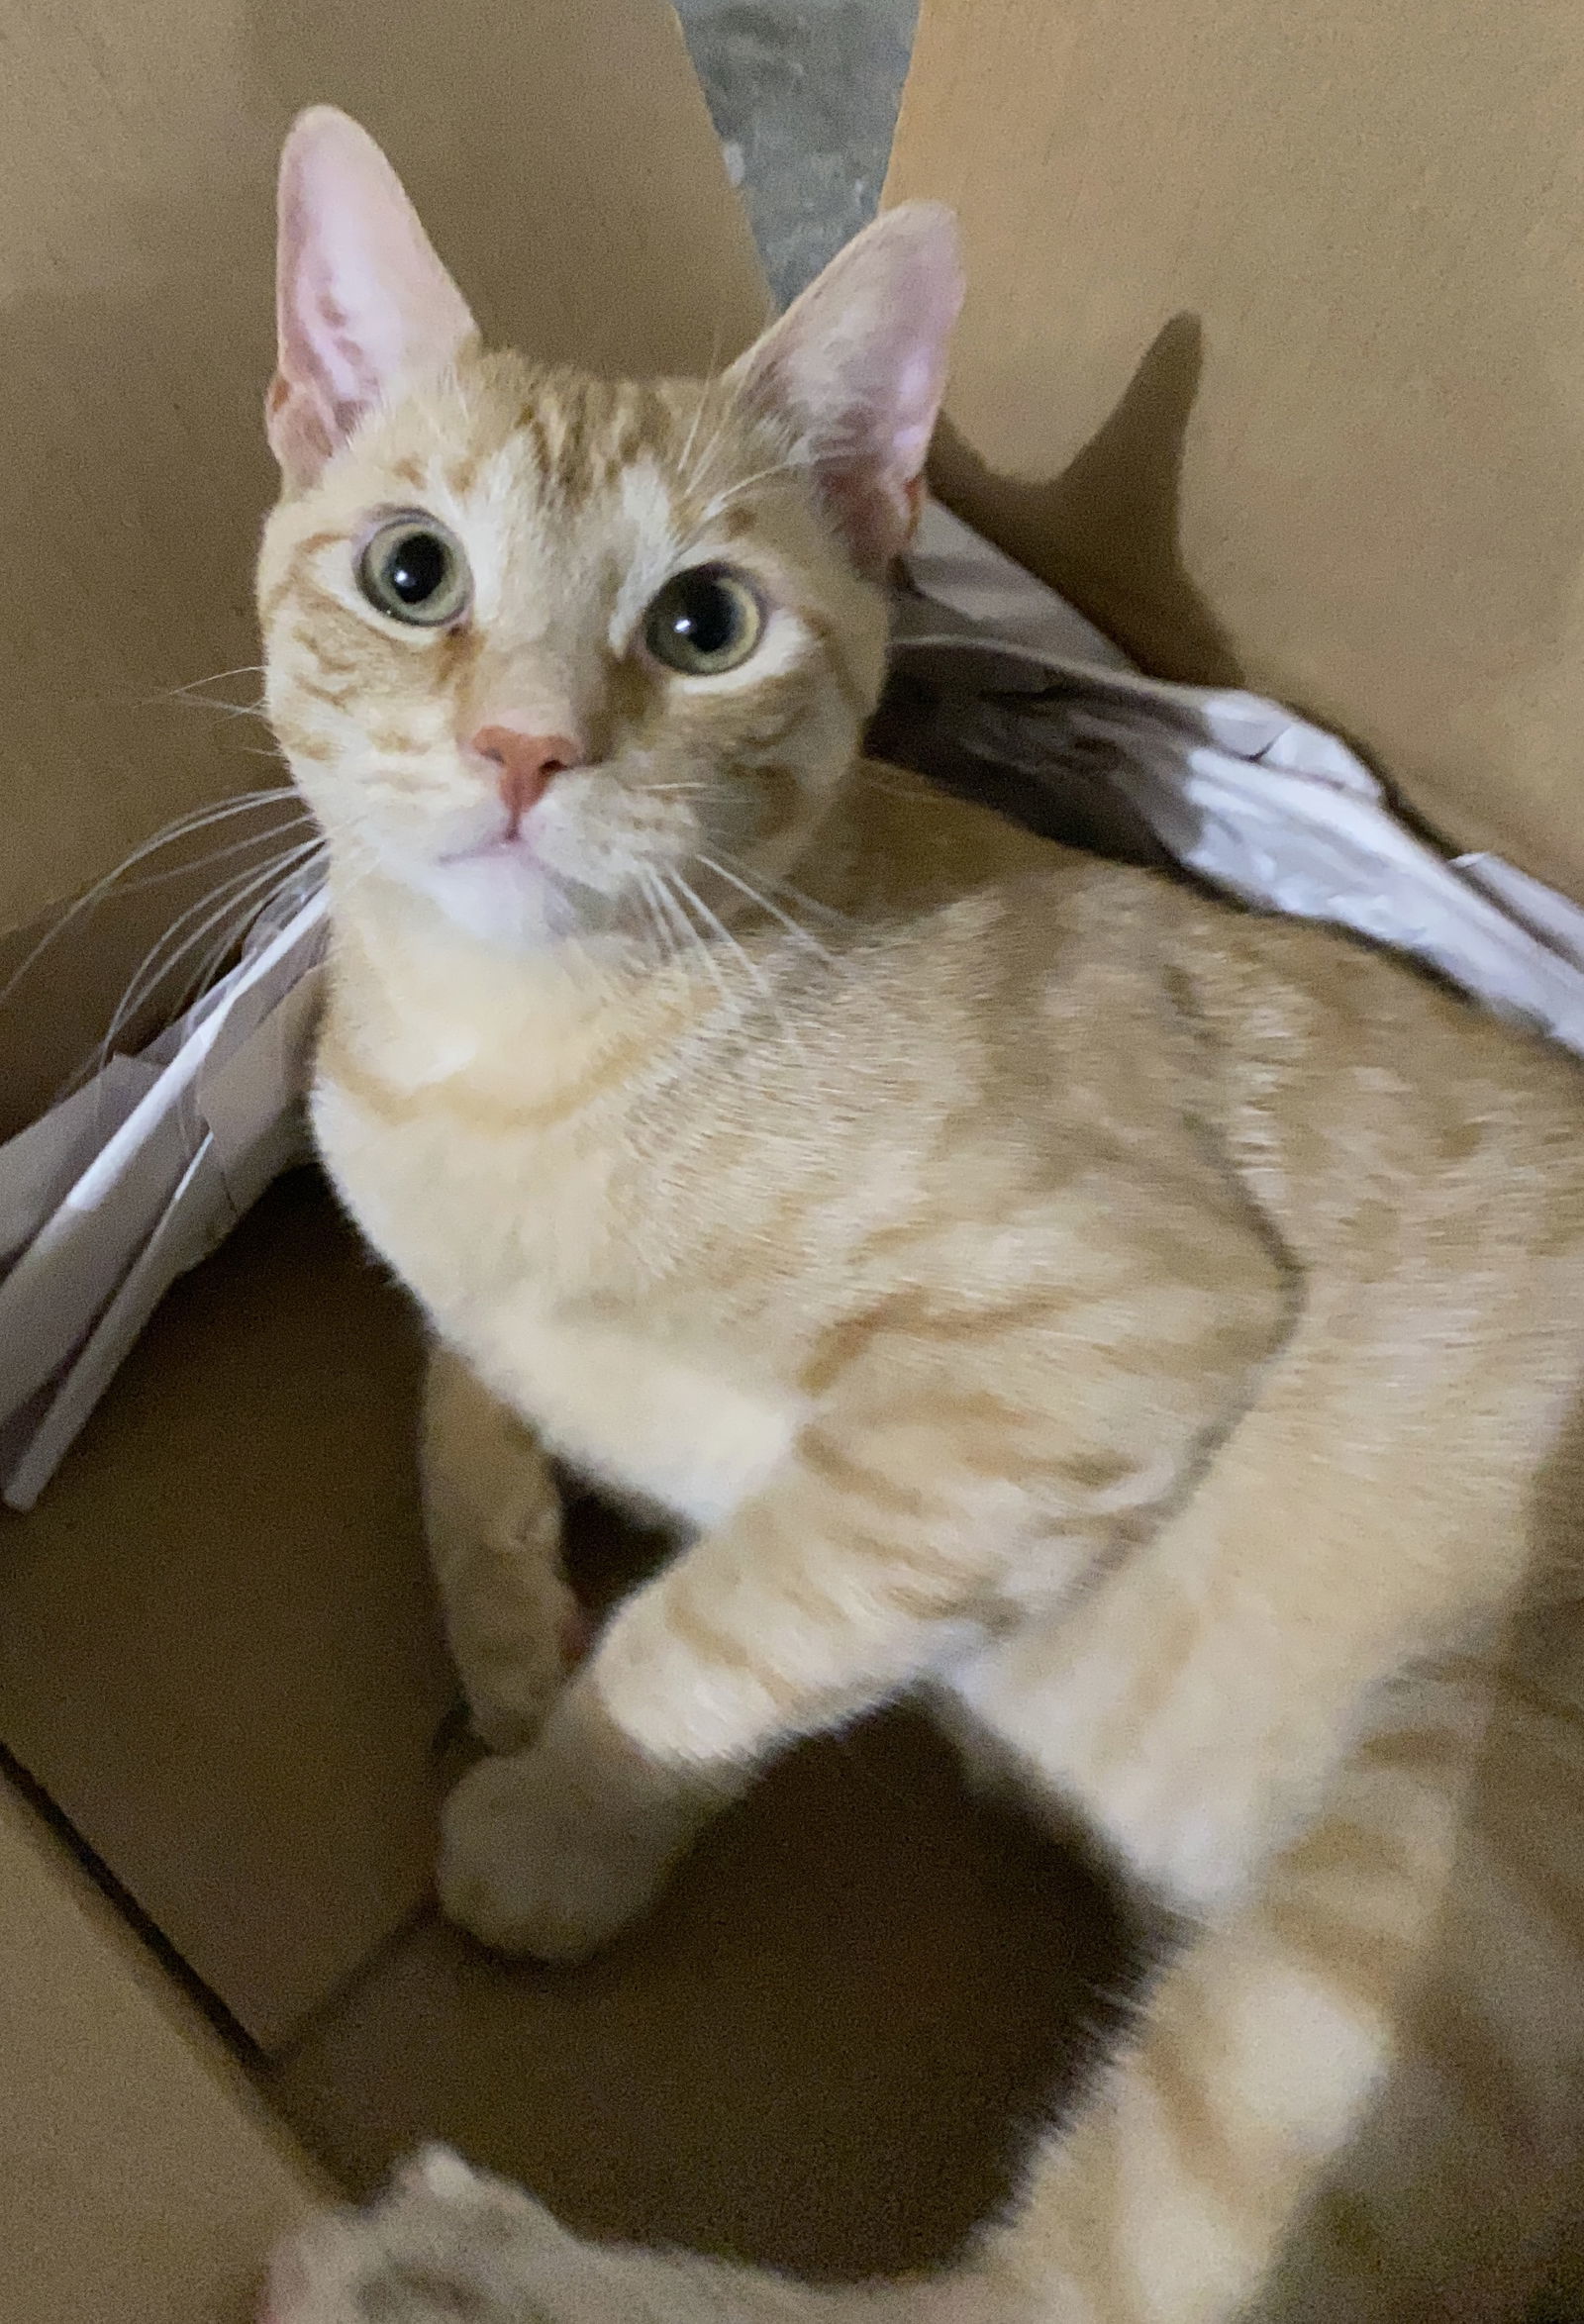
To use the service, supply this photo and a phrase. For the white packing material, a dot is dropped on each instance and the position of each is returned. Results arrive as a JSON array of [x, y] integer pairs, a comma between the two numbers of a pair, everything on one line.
[[136, 1177], [1000, 688], [1255, 800], [39, 1166]]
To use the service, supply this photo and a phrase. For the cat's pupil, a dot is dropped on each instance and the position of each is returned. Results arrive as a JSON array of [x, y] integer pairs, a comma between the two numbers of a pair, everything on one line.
[[706, 616], [417, 567]]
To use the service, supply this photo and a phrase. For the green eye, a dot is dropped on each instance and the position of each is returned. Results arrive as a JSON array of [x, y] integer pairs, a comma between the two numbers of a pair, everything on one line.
[[704, 621], [414, 570]]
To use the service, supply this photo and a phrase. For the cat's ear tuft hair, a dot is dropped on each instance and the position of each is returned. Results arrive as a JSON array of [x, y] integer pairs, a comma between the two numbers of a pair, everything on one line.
[[363, 304], [857, 368]]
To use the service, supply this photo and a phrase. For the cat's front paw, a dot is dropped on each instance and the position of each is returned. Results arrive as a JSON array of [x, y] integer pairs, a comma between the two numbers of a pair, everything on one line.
[[539, 1857]]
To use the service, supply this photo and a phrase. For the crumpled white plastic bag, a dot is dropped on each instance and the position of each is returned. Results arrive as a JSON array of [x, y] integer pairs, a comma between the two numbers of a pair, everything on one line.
[[1264, 805], [1001, 688]]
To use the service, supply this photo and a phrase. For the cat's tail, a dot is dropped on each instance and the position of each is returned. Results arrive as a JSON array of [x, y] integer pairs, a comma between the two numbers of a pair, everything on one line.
[[1360, 2098]]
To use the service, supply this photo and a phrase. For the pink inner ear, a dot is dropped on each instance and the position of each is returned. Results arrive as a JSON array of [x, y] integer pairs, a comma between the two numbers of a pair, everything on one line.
[[364, 305], [857, 367], [320, 340]]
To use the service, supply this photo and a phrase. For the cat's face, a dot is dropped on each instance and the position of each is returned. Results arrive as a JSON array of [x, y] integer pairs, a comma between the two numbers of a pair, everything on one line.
[[567, 656], [623, 580]]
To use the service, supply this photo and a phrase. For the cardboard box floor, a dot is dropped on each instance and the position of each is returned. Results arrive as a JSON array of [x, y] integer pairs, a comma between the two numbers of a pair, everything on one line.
[[1273, 364]]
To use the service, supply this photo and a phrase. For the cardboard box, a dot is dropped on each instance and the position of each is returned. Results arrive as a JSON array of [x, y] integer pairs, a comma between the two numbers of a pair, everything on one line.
[[1271, 363]]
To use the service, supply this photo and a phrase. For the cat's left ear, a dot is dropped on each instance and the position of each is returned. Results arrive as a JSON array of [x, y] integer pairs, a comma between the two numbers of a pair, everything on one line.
[[363, 305], [857, 368]]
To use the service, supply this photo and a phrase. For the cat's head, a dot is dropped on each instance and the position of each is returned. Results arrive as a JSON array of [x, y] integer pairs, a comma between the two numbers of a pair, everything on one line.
[[553, 650]]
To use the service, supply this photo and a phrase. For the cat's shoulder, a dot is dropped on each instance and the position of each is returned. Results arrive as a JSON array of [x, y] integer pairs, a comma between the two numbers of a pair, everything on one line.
[[925, 846]]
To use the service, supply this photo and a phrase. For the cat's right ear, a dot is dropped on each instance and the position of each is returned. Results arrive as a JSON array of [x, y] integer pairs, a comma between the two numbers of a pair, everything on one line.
[[363, 307]]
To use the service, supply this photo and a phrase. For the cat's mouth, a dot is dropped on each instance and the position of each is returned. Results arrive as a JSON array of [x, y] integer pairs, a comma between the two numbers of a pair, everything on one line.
[[576, 866], [513, 844], [517, 886]]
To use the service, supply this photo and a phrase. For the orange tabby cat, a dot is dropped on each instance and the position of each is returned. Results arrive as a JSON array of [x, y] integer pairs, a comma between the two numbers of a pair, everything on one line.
[[1156, 1331]]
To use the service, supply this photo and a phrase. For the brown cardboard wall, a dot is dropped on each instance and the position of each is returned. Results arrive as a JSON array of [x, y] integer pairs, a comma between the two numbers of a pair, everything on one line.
[[218, 1652], [1273, 358], [138, 2182], [565, 164]]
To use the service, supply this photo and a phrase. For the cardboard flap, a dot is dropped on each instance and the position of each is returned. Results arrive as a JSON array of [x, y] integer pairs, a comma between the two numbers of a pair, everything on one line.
[[1273, 360], [563, 158]]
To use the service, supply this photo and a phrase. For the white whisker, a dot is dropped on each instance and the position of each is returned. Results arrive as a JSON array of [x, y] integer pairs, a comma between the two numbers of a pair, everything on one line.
[[685, 454], [841, 919], [745, 888], [730, 494], [753, 968], [293, 875], [728, 410], [184, 827], [249, 845], [191, 691], [164, 957], [694, 942], [665, 947]]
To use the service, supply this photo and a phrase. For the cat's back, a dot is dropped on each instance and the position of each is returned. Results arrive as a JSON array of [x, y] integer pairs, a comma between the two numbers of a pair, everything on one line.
[[1377, 1113], [1352, 1089]]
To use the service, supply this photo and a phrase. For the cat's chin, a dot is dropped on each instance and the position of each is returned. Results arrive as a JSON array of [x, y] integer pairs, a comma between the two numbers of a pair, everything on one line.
[[500, 896]]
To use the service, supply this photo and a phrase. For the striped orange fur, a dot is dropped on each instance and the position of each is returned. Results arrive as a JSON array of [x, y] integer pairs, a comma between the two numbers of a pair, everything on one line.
[[1154, 1331]]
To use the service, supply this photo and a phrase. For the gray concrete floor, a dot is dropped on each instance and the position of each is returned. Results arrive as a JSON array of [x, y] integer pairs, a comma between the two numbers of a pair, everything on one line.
[[804, 96]]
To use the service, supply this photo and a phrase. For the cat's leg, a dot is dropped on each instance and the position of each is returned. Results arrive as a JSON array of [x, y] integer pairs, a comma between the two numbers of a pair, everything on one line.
[[1205, 1706], [770, 1628], [938, 1483], [1169, 2197], [1379, 1504], [493, 1518]]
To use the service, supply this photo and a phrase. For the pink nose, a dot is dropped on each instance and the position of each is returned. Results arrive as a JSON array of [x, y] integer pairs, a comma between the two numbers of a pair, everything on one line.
[[524, 765]]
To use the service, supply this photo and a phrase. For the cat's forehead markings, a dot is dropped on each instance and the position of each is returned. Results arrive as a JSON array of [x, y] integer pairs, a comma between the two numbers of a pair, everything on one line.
[[490, 483], [647, 503], [461, 474], [654, 541], [534, 438], [641, 421], [558, 423], [314, 545]]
